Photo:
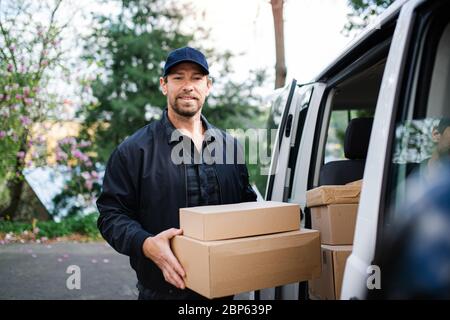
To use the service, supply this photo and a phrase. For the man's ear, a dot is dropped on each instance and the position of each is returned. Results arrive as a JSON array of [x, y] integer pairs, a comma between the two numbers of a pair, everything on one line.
[[209, 85], [163, 85]]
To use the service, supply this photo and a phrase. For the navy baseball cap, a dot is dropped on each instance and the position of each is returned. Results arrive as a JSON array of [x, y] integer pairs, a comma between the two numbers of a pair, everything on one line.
[[185, 54]]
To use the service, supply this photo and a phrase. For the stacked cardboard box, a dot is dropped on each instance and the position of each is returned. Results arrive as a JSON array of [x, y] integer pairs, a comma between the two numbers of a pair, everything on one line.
[[333, 213], [328, 286], [229, 249]]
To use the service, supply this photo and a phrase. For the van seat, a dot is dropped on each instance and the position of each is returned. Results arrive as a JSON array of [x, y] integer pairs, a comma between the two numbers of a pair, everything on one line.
[[356, 144]]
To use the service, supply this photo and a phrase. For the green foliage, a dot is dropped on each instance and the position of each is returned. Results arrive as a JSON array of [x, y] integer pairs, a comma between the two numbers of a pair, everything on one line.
[[130, 49], [362, 11], [84, 225]]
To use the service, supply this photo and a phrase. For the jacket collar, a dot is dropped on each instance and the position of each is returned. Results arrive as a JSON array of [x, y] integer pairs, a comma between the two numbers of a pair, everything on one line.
[[210, 131]]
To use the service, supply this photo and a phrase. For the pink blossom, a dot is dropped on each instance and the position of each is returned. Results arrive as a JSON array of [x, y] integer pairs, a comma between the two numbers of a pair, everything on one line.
[[67, 140], [89, 184], [28, 101], [9, 68], [25, 120], [88, 163], [61, 155], [2, 134], [26, 91], [85, 143], [76, 153], [18, 96], [94, 174], [44, 63], [86, 175], [21, 154]]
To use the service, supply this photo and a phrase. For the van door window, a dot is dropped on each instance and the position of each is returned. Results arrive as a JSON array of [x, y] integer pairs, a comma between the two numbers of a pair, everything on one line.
[[339, 121], [354, 97], [422, 132]]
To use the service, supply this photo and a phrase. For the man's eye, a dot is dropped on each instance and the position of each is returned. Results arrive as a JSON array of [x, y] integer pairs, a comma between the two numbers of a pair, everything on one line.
[[177, 78]]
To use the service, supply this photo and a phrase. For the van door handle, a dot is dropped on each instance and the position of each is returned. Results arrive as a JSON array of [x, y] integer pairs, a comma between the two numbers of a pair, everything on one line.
[[288, 126]]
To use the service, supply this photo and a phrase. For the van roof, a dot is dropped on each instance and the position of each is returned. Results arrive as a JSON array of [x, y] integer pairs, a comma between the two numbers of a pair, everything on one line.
[[381, 20]]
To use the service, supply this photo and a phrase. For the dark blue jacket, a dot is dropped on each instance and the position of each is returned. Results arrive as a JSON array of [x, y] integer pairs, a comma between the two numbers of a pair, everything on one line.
[[143, 191]]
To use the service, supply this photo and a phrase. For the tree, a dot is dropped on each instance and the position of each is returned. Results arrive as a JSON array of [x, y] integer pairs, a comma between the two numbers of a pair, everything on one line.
[[29, 51], [127, 50], [280, 65], [130, 49], [362, 12]]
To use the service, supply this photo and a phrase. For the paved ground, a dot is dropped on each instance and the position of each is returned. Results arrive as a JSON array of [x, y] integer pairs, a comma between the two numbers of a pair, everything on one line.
[[38, 271]]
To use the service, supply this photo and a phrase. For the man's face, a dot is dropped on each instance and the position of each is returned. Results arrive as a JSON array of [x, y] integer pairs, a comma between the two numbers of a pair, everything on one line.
[[186, 89], [443, 144]]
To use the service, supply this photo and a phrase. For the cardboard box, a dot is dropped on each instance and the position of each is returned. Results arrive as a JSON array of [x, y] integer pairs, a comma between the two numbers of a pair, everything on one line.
[[239, 220], [355, 183], [328, 286], [226, 267], [324, 195], [336, 223]]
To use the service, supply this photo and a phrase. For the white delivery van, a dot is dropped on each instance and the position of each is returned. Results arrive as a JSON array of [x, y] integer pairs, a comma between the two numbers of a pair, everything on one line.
[[388, 88]]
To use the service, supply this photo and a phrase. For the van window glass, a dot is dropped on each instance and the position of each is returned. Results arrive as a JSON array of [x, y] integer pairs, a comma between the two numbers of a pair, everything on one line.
[[425, 139], [339, 120]]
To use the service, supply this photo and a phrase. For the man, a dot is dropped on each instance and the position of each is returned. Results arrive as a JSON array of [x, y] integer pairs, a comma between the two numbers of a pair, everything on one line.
[[146, 184], [440, 136]]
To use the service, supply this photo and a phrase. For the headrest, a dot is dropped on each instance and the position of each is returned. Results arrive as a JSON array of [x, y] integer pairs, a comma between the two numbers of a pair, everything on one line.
[[357, 138]]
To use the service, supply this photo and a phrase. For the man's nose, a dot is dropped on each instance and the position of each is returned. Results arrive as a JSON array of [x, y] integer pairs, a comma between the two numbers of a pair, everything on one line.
[[187, 86]]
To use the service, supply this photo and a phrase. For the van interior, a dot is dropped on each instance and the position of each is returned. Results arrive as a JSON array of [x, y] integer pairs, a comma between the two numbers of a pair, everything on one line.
[[348, 121]]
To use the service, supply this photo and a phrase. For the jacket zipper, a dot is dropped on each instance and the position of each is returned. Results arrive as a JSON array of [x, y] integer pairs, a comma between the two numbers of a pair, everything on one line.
[[185, 184], [218, 183]]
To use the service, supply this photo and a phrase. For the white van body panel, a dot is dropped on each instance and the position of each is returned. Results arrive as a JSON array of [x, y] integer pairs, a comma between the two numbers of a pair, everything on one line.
[[355, 275], [387, 15], [300, 181], [283, 154]]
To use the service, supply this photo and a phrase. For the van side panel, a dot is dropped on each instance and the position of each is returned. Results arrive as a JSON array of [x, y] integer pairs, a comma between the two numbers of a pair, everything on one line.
[[355, 275]]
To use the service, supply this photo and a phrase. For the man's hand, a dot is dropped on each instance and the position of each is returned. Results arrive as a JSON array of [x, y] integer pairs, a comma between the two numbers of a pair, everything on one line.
[[157, 248]]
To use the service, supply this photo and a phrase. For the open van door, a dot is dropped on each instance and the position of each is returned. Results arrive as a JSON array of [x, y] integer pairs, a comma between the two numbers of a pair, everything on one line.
[[296, 106], [414, 94]]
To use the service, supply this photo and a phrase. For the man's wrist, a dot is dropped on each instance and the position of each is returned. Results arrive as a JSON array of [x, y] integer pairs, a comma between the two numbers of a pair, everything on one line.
[[146, 247]]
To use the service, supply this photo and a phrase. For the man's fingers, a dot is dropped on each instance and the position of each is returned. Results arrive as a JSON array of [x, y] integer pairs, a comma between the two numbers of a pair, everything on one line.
[[173, 277], [170, 233], [173, 261], [174, 266]]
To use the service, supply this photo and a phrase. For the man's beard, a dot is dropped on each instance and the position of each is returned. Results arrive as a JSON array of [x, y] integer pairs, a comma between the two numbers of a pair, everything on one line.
[[188, 113]]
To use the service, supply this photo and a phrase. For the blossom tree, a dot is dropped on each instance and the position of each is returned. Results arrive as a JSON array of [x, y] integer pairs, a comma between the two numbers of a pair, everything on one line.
[[30, 54]]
